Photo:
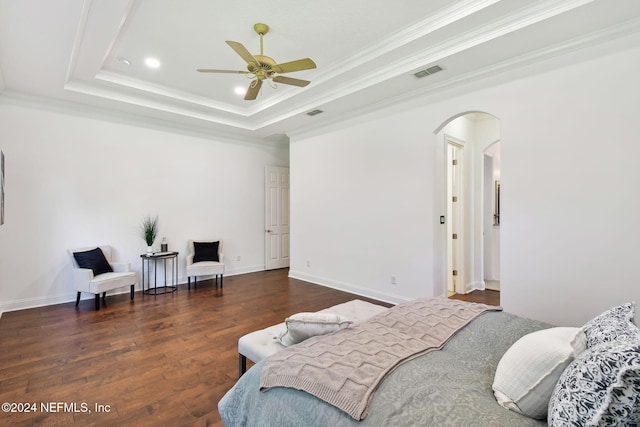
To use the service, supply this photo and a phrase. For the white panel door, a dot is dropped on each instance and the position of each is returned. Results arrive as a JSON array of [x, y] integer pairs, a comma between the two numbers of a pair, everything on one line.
[[276, 217], [455, 214]]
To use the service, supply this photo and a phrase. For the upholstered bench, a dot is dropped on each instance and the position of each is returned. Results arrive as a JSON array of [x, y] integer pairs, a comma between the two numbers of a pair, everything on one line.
[[261, 344]]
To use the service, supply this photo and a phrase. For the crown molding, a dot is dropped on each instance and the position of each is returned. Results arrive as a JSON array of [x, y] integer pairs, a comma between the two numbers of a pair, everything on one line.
[[522, 18], [501, 72], [396, 40], [137, 120], [168, 93], [287, 104]]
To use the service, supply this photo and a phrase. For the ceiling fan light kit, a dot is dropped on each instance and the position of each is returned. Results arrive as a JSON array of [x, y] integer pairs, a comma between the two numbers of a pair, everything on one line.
[[261, 67]]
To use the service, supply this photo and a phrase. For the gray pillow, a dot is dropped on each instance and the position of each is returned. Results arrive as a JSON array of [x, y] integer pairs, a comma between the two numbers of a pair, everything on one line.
[[301, 326]]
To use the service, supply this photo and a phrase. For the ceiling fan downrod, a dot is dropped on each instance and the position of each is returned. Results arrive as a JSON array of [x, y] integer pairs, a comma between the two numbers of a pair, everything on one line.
[[261, 29]]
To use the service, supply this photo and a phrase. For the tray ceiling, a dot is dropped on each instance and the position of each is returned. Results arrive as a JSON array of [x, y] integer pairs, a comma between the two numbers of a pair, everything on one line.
[[92, 53]]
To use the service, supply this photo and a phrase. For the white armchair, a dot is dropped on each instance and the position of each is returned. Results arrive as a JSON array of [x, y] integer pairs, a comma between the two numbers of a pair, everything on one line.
[[205, 258], [93, 272]]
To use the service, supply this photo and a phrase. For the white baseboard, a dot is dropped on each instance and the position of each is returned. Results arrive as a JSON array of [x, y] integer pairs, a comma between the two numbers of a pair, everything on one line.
[[245, 270], [348, 287], [26, 303], [477, 286], [234, 272], [493, 285], [474, 286]]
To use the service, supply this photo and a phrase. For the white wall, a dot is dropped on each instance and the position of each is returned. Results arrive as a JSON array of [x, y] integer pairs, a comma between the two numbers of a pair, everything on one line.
[[569, 181], [367, 193], [75, 181], [360, 209]]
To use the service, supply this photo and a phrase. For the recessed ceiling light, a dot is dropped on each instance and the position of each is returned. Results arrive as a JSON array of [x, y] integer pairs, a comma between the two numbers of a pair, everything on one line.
[[152, 63], [239, 90]]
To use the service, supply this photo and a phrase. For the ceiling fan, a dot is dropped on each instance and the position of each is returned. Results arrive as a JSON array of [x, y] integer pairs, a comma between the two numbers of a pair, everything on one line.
[[261, 67]]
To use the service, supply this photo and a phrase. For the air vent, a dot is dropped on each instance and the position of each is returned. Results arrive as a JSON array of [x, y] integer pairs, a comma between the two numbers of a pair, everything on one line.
[[314, 112], [431, 70]]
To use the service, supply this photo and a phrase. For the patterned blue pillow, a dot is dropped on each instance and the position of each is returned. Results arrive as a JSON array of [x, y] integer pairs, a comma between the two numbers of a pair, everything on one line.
[[615, 324], [600, 387]]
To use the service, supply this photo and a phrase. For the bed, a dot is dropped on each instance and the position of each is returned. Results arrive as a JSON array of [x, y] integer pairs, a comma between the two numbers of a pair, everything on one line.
[[450, 386]]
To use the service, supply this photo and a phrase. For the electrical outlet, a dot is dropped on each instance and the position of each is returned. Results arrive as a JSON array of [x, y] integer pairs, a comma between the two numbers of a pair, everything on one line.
[[238, 258], [393, 280], [308, 263]]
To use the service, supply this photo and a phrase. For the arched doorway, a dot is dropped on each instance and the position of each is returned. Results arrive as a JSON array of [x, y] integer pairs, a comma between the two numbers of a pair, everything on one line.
[[460, 246]]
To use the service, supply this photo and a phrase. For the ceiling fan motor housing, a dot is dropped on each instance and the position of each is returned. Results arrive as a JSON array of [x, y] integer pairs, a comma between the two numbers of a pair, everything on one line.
[[263, 68]]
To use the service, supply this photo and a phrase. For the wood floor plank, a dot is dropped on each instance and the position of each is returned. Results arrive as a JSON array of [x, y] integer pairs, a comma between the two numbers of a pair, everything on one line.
[[156, 360], [487, 296]]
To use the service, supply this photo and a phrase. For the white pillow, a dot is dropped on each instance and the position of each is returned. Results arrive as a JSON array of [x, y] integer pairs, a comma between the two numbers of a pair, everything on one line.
[[304, 325], [528, 372]]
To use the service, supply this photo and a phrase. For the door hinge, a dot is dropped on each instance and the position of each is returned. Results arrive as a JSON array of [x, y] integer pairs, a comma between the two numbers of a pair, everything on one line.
[[454, 199], [454, 162], [455, 272], [454, 236]]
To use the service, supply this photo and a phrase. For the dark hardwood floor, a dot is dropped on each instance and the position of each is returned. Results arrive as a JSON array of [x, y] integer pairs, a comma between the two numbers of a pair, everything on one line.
[[157, 360], [486, 297]]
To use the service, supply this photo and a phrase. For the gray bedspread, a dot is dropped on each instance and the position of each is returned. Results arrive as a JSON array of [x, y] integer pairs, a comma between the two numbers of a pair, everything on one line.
[[346, 367], [450, 387]]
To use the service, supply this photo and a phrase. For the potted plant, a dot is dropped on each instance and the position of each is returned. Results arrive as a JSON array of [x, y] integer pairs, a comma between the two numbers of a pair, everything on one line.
[[149, 229]]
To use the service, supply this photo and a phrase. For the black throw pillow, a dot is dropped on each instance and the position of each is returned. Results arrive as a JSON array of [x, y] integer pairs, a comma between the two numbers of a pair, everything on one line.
[[205, 251], [93, 259]]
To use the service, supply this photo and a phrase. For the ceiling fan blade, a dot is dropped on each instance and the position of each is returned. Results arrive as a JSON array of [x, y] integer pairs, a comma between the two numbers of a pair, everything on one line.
[[243, 52], [289, 81], [209, 70], [298, 65], [253, 90]]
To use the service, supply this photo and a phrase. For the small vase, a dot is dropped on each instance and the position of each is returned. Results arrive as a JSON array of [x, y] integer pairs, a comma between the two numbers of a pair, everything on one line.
[[149, 250]]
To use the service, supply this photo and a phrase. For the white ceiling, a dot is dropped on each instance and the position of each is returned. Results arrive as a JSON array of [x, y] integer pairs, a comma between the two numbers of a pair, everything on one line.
[[366, 52]]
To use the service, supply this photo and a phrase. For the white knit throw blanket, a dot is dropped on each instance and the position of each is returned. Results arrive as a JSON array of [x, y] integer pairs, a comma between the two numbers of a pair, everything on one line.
[[344, 368]]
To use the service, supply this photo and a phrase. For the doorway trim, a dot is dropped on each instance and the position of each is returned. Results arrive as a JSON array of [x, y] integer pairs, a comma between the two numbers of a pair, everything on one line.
[[473, 253], [491, 242], [276, 217], [455, 201]]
